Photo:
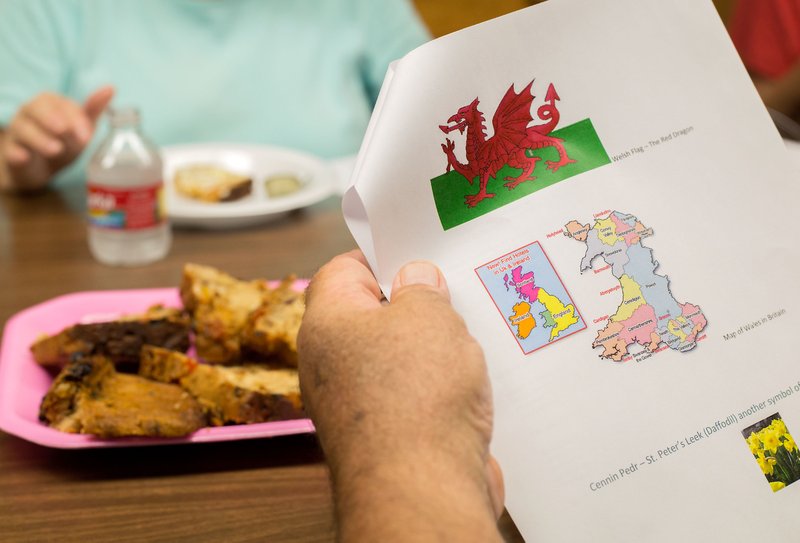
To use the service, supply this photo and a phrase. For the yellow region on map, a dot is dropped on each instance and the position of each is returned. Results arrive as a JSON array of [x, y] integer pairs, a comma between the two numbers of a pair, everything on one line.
[[522, 319], [632, 299], [675, 327], [563, 315], [606, 231]]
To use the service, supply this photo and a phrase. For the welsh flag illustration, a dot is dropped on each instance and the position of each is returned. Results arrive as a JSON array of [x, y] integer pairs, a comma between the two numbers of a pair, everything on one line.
[[520, 158]]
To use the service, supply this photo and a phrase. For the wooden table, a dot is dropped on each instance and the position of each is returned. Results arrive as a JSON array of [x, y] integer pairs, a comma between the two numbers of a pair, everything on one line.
[[254, 490]]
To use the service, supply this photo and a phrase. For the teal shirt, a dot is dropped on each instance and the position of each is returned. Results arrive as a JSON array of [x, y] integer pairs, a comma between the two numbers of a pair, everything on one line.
[[297, 73]]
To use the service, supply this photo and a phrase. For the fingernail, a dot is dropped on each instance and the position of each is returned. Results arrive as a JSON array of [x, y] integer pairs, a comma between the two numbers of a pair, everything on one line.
[[419, 273]]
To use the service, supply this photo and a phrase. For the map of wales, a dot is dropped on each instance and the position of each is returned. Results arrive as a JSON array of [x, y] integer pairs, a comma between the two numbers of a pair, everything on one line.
[[648, 314], [529, 294]]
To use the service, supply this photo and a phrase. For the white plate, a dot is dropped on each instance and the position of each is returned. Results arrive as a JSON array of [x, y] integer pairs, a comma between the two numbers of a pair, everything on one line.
[[257, 161]]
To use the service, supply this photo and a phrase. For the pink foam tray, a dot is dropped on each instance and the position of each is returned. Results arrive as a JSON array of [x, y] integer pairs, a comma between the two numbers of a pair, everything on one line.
[[23, 383]]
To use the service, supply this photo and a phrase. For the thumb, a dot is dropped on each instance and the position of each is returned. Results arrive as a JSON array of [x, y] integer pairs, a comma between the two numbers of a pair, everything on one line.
[[419, 273], [97, 102]]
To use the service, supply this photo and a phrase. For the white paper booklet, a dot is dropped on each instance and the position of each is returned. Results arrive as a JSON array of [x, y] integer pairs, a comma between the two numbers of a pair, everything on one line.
[[614, 212]]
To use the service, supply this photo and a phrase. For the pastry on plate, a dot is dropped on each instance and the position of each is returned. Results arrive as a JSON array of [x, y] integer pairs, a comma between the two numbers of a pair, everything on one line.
[[219, 305], [120, 340], [229, 394], [90, 397], [209, 183], [271, 330], [237, 320]]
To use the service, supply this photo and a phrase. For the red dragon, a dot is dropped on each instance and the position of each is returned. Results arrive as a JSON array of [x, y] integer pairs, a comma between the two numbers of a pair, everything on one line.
[[508, 145]]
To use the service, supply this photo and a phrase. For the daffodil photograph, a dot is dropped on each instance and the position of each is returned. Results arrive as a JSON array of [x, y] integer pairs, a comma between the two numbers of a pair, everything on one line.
[[775, 451]]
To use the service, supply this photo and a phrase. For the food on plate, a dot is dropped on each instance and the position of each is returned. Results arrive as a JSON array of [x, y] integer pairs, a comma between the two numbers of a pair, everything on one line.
[[245, 394], [219, 305], [271, 330], [120, 340], [164, 365], [210, 183], [89, 396], [228, 394], [282, 185], [132, 376], [235, 319]]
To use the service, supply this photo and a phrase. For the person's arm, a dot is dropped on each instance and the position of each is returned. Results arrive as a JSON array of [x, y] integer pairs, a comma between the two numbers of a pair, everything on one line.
[[44, 136], [400, 398]]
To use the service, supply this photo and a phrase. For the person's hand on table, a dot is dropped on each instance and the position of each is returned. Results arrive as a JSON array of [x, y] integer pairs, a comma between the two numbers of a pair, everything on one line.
[[400, 397], [45, 135]]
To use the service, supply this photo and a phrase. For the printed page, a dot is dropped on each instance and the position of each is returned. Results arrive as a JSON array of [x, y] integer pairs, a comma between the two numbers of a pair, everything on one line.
[[612, 208]]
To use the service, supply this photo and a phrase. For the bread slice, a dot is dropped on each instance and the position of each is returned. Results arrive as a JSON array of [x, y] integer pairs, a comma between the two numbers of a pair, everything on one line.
[[238, 320], [271, 330], [210, 183], [120, 340], [245, 394], [90, 397], [229, 394], [219, 305]]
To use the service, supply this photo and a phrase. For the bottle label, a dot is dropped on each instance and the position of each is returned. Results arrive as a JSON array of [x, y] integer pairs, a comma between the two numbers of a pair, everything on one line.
[[126, 208]]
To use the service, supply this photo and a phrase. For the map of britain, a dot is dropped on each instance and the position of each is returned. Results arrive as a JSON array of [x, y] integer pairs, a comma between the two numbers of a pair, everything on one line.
[[531, 297], [648, 314]]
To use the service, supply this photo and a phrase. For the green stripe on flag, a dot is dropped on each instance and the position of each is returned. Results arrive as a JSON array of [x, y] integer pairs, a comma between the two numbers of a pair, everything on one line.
[[582, 145]]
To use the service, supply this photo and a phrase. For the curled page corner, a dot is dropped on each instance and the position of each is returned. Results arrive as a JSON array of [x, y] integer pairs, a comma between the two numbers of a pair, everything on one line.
[[353, 209], [355, 216]]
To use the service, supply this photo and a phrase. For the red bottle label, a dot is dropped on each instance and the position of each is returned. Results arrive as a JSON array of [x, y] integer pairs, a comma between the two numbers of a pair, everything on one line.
[[126, 208]]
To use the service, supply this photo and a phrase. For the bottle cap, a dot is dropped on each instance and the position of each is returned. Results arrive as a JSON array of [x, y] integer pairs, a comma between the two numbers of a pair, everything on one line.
[[123, 116]]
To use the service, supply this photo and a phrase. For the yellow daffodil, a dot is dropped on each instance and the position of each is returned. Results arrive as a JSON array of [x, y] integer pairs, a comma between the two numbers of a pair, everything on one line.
[[765, 464], [779, 426], [754, 442], [770, 439], [788, 443], [776, 486]]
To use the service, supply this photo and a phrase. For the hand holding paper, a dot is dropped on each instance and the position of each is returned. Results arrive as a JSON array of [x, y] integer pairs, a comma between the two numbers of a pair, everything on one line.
[[401, 401]]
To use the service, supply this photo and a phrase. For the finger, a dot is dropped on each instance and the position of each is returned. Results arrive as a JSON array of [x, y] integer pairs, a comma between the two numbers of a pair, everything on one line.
[[46, 111], [344, 282], [25, 131], [16, 155], [63, 118], [80, 125], [97, 102], [419, 274]]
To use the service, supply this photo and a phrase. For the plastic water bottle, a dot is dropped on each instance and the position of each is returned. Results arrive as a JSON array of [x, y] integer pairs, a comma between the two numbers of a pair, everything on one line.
[[127, 222]]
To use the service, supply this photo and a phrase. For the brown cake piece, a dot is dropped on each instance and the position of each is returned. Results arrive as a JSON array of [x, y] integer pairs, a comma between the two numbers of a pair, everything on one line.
[[219, 305], [90, 397], [229, 394], [271, 330], [211, 183], [120, 340]]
